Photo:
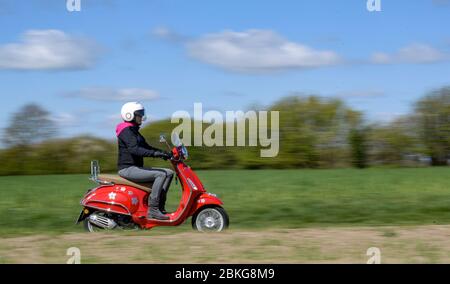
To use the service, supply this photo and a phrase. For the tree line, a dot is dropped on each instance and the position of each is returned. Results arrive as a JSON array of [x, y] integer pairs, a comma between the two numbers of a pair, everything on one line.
[[314, 132]]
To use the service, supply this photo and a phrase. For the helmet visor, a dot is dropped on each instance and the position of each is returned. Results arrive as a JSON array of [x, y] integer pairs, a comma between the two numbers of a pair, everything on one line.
[[140, 113]]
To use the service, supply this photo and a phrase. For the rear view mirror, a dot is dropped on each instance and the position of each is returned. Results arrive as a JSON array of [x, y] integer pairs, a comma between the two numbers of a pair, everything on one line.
[[162, 139]]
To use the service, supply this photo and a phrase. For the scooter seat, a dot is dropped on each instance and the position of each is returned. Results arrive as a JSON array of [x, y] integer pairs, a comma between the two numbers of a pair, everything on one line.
[[120, 180]]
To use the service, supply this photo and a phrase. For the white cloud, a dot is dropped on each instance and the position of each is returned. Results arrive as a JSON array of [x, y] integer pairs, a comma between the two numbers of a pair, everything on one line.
[[66, 119], [108, 94], [168, 34], [75, 118], [48, 50], [415, 53], [257, 50]]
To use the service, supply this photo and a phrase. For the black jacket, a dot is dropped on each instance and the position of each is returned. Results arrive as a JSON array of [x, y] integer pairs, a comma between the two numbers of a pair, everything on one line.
[[133, 148]]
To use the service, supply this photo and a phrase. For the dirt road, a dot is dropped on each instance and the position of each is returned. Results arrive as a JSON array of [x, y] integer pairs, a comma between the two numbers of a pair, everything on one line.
[[417, 244]]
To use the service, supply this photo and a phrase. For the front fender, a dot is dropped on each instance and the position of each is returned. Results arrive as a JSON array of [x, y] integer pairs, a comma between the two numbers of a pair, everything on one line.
[[206, 199]]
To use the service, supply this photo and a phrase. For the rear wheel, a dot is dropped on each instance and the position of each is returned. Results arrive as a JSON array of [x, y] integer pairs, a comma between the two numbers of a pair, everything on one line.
[[210, 219]]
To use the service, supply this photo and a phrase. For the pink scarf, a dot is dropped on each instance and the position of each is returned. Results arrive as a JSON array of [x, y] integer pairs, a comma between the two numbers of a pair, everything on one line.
[[122, 126]]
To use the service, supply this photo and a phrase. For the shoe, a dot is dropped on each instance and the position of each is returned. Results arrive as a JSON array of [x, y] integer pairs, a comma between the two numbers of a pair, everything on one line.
[[154, 212]]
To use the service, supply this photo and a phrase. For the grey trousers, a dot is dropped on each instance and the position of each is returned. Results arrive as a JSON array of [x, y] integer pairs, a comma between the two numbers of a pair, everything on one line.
[[160, 177]]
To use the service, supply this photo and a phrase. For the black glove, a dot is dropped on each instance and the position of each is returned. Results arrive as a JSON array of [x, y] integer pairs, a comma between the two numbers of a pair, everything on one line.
[[163, 155], [167, 156]]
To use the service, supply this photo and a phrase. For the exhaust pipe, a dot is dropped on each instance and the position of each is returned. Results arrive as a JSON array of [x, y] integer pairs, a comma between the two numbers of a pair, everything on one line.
[[102, 222]]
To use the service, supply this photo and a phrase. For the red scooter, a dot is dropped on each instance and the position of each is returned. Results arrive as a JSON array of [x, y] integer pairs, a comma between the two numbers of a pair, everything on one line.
[[118, 203]]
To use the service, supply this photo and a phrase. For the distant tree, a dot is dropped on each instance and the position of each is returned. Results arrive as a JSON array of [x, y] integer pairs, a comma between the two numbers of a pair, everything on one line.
[[314, 131], [29, 125], [358, 144], [433, 119], [391, 143]]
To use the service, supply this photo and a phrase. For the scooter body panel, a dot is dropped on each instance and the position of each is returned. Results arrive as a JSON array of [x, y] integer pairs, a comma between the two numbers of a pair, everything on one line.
[[121, 199]]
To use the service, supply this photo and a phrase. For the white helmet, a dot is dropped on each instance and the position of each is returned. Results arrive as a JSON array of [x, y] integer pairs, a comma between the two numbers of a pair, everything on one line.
[[129, 111]]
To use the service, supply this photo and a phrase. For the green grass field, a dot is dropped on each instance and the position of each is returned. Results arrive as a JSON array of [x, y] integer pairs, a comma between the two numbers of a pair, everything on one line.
[[254, 199]]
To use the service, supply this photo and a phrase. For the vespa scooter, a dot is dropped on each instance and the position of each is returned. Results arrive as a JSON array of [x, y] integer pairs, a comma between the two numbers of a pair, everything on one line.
[[118, 203]]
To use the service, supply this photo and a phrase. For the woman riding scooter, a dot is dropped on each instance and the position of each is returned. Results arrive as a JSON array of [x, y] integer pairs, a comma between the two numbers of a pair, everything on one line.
[[132, 150]]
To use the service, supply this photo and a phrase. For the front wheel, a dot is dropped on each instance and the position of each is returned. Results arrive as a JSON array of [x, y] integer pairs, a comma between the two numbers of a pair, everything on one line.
[[210, 219]]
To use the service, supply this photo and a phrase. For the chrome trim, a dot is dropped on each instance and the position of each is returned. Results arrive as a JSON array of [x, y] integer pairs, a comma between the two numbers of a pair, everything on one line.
[[192, 184], [102, 221], [95, 171], [207, 223], [101, 182], [110, 203]]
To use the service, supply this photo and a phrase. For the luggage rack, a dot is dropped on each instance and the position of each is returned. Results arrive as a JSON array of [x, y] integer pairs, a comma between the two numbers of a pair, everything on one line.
[[95, 171]]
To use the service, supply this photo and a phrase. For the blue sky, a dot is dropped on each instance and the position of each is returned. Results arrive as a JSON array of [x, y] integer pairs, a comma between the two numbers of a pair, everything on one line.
[[82, 66]]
